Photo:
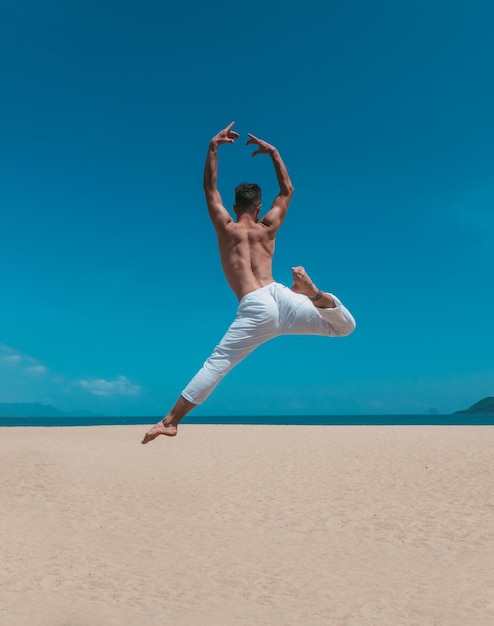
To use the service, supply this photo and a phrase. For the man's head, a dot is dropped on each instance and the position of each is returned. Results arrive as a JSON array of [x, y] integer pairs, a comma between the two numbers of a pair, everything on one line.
[[248, 199]]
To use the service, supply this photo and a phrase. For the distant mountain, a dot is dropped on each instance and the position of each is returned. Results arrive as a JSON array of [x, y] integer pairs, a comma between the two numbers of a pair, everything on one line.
[[432, 411], [483, 406], [34, 409]]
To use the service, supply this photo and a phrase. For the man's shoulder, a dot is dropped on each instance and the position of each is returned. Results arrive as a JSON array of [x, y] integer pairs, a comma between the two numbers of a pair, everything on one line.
[[255, 231]]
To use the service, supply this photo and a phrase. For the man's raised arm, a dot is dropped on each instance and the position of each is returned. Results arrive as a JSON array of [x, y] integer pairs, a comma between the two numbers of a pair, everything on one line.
[[217, 212], [275, 216]]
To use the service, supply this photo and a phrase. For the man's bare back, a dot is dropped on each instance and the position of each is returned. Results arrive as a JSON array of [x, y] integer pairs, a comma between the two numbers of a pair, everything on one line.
[[247, 245], [246, 251]]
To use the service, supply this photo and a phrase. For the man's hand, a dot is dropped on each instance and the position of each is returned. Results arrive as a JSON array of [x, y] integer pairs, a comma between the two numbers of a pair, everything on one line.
[[227, 135], [264, 146]]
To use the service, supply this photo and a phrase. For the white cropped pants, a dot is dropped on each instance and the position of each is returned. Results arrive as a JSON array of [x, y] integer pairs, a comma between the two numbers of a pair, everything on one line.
[[262, 314]]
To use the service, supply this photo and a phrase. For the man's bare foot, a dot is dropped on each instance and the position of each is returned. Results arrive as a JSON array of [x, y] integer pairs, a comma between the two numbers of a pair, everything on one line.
[[302, 282], [170, 430]]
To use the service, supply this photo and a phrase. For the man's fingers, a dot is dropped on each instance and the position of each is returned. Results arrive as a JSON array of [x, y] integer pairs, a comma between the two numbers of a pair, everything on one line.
[[231, 134]]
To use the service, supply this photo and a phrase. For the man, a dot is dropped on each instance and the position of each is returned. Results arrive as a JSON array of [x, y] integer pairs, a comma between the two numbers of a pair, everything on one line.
[[266, 309]]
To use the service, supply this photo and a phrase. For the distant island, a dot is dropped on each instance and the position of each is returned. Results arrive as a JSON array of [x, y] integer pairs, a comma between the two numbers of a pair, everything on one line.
[[483, 406], [35, 409]]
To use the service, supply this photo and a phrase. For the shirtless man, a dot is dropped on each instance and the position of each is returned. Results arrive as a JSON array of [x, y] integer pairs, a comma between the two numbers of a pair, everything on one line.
[[266, 308]]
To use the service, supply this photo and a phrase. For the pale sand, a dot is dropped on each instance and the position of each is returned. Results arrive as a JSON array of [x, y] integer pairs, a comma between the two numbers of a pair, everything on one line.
[[247, 525]]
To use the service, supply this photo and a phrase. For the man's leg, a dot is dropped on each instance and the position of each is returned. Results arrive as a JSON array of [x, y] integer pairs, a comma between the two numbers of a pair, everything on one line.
[[256, 322], [168, 425]]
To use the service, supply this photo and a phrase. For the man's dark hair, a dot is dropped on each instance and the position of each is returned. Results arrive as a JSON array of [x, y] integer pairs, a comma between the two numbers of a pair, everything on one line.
[[247, 195]]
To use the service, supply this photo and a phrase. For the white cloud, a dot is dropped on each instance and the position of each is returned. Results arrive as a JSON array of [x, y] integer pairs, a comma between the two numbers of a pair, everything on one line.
[[13, 359], [24, 378], [8, 355], [121, 386], [36, 369]]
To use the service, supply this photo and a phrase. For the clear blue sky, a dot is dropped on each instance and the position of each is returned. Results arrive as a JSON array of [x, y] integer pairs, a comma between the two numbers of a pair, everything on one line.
[[112, 291]]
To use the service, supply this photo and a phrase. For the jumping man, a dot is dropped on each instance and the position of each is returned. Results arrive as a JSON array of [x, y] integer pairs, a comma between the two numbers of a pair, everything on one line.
[[266, 308]]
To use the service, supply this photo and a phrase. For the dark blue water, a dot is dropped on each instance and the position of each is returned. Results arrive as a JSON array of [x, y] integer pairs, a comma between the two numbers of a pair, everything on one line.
[[464, 419]]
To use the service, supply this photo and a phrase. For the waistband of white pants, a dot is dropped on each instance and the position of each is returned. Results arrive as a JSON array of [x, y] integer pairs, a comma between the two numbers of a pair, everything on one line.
[[260, 290]]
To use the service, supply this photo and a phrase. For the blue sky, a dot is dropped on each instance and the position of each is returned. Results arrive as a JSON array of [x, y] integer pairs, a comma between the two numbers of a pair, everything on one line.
[[112, 291]]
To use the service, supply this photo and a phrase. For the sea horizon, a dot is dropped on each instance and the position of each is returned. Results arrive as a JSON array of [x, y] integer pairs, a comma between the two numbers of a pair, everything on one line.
[[454, 419]]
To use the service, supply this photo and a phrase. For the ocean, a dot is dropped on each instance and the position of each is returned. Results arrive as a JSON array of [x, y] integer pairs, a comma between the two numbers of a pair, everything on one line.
[[455, 419]]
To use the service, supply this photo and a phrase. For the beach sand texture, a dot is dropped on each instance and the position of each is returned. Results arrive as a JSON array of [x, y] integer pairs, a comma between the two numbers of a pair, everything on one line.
[[247, 525]]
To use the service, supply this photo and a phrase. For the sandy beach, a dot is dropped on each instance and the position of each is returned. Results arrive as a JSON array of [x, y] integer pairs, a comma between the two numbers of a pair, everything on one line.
[[247, 525]]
